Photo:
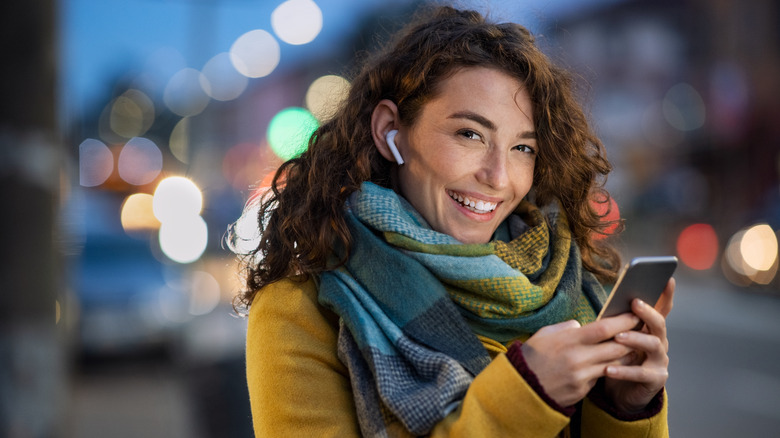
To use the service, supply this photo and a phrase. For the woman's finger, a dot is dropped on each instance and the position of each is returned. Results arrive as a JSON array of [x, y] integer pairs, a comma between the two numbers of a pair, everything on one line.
[[607, 352], [652, 377], [665, 302], [655, 322], [654, 348], [605, 329]]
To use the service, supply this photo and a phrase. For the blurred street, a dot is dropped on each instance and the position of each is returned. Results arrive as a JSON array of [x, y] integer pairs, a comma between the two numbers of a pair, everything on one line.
[[153, 401], [193, 389], [724, 351], [724, 378]]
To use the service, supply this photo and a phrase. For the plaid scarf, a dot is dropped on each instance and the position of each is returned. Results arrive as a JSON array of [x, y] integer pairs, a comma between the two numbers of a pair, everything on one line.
[[412, 301]]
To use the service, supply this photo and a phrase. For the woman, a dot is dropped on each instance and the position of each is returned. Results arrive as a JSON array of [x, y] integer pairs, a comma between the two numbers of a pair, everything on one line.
[[431, 265]]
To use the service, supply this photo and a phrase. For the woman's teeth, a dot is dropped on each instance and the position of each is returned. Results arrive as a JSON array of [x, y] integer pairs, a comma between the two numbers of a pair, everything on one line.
[[475, 206]]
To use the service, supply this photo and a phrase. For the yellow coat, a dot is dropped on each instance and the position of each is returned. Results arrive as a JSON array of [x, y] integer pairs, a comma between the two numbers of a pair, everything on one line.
[[299, 388]]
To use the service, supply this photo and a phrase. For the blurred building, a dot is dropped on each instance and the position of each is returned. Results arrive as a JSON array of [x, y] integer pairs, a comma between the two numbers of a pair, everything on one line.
[[683, 95]]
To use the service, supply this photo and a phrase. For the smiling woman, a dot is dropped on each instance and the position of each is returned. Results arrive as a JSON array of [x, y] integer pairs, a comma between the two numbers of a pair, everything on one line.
[[429, 265]]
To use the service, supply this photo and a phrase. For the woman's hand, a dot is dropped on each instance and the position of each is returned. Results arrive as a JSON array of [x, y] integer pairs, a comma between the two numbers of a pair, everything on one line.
[[632, 383], [568, 358]]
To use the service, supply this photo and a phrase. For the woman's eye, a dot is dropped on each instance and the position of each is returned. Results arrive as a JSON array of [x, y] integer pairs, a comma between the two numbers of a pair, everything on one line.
[[471, 135], [525, 148]]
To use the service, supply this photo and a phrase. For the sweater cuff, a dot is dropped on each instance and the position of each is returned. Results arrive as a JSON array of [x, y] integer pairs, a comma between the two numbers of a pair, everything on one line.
[[599, 398], [516, 358]]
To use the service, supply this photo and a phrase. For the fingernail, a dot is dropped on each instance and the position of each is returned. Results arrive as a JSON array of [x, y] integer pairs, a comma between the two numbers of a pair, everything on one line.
[[621, 335], [640, 303], [611, 370]]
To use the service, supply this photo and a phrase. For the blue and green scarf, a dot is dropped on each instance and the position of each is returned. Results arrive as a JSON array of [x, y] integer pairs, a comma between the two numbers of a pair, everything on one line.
[[412, 303]]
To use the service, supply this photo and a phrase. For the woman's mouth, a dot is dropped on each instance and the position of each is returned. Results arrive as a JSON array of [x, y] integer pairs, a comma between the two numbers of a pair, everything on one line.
[[476, 205]]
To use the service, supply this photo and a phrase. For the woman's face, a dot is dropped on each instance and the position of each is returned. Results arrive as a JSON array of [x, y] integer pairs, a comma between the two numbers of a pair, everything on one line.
[[470, 154]]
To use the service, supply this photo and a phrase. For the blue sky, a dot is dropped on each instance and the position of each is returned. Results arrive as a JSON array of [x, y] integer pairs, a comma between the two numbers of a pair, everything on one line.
[[103, 39]]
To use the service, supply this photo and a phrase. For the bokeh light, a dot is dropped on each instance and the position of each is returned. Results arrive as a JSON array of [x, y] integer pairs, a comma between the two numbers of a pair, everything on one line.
[[609, 213], [220, 79], [733, 256], [184, 93], [752, 256], [137, 213], [179, 142], [131, 114], [290, 130], [176, 198], [325, 95], [683, 107], [96, 163], [205, 293], [183, 233], [697, 246], [297, 21], [246, 231], [759, 247], [255, 54], [184, 240], [140, 161]]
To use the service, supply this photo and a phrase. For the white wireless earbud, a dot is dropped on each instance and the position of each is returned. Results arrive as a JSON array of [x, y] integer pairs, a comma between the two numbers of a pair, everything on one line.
[[390, 137]]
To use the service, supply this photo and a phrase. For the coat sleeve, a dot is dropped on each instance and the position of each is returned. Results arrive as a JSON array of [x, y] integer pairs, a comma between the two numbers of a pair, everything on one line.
[[596, 422], [500, 403]]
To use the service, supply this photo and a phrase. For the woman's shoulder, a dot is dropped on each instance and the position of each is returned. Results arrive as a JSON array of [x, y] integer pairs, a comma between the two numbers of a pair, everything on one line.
[[288, 286], [291, 301]]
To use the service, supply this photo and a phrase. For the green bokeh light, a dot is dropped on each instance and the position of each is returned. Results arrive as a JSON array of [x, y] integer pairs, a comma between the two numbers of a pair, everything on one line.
[[290, 130]]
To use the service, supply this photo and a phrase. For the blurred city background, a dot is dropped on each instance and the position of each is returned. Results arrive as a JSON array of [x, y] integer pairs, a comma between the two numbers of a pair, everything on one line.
[[135, 132]]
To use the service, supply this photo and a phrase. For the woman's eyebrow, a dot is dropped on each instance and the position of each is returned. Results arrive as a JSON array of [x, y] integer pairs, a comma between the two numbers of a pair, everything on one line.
[[475, 118], [486, 123]]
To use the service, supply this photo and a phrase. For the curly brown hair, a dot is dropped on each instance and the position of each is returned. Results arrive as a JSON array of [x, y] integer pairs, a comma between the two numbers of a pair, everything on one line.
[[302, 218]]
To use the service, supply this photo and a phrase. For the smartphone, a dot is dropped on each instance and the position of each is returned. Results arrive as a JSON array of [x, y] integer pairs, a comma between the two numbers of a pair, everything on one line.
[[644, 278]]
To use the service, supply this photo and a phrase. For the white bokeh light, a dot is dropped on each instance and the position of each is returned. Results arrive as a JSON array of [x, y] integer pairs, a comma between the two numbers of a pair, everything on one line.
[[96, 163], [140, 161], [255, 54], [221, 80], [184, 240], [297, 21], [184, 93], [176, 198], [246, 229], [759, 247]]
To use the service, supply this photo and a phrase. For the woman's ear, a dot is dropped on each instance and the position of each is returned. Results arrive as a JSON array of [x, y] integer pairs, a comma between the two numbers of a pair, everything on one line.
[[384, 119]]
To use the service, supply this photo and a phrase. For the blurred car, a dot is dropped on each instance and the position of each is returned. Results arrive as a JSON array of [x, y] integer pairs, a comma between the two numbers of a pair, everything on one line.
[[128, 300]]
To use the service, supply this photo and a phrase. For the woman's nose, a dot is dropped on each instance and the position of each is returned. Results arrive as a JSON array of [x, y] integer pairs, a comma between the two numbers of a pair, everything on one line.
[[493, 169]]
